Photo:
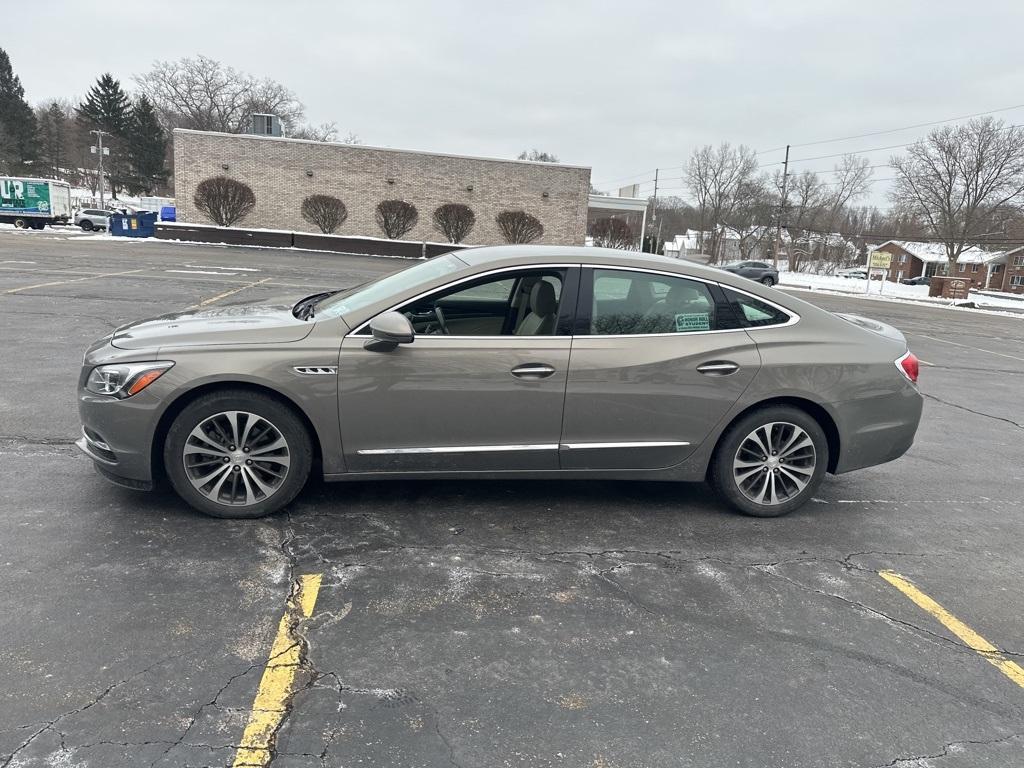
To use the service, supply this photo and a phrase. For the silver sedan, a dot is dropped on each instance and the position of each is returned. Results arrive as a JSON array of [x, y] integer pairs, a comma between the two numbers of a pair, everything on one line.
[[503, 362]]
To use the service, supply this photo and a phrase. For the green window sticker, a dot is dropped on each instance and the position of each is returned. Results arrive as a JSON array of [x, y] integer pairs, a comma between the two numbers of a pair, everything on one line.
[[693, 321]]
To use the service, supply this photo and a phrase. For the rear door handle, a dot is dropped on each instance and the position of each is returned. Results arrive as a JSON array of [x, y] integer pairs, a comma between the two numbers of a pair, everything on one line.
[[718, 368], [532, 371]]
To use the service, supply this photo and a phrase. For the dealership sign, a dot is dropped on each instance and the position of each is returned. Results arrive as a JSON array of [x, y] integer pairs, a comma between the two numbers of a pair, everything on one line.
[[880, 260]]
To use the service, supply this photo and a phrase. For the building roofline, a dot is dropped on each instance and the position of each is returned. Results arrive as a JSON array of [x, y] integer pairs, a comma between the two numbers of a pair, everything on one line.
[[383, 149], [609, 202]]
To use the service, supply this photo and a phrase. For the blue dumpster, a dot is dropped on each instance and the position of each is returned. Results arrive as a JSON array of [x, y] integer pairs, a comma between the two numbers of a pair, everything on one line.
[[141, 224], [168, 213]]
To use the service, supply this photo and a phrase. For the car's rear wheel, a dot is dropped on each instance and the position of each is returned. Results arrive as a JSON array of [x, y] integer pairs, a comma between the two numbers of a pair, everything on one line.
[[768, 280], [237, 454], [86, 225], [771, 461]]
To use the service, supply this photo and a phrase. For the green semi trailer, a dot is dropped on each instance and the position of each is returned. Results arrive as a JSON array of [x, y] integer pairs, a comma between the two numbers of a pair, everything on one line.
[[34, 203]]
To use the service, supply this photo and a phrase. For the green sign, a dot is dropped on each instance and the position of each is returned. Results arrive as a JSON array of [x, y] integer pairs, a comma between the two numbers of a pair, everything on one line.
[[693, 321], [24, 196]]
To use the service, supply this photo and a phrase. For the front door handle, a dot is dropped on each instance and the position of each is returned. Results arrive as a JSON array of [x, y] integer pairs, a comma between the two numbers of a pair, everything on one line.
[[532, 371], [718, 368]]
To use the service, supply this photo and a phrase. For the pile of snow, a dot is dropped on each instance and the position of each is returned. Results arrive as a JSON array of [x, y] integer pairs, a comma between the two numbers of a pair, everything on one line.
[[887, 290]]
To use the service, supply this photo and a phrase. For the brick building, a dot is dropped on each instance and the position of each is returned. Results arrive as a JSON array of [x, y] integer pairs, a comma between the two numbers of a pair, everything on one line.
[[282, 172], [992, 270]]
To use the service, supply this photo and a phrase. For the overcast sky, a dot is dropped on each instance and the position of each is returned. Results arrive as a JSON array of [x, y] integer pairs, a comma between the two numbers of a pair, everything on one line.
[[622, 87]]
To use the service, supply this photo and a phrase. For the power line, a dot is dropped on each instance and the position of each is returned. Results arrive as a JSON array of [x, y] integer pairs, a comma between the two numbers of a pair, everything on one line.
[[893, 130]]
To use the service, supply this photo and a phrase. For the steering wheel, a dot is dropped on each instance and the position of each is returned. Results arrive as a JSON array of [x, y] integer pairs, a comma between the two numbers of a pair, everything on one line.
[[439, 314]]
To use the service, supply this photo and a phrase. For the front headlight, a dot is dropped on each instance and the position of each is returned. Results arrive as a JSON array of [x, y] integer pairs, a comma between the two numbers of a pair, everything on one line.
[[125, 379]]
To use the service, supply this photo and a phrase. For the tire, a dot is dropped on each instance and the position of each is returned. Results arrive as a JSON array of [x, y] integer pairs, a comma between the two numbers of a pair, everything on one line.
[[734, 469], [21, 223], [240, 490], [768, 280], [86, 225]]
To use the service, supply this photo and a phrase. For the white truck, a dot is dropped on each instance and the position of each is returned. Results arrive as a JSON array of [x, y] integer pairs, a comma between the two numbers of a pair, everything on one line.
[[34, 203]]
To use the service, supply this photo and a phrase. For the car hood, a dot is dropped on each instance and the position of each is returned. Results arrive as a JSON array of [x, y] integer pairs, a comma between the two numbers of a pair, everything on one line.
[[882, 329], [269, 322]]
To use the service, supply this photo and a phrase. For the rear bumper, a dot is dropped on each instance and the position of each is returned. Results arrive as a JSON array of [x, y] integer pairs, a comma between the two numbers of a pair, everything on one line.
[[878, 429]]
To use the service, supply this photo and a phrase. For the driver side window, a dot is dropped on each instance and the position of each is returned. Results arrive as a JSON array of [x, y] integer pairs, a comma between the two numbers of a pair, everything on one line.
[[506, 304]]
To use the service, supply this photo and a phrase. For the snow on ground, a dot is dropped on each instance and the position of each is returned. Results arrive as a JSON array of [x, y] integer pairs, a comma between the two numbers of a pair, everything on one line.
[[888, 291]]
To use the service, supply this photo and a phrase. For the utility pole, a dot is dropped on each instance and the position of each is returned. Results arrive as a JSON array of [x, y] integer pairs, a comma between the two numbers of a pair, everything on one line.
[[782, 208], [653, 217], [99, 141]]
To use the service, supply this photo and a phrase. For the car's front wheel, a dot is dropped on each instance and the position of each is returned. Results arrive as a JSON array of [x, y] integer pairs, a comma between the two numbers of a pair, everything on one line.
[[237, 454], [771, 461]]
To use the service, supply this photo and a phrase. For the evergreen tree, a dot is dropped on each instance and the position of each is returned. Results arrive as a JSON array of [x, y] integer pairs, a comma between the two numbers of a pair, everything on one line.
[[17, 122], [147, 147], [107, 108], [54, 137]]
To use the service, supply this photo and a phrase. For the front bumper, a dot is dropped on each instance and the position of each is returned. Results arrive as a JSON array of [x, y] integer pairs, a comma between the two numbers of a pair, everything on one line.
[[118, 435]]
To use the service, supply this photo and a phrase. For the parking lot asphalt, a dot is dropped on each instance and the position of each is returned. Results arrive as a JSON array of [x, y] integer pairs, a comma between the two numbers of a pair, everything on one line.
[[584, 624]]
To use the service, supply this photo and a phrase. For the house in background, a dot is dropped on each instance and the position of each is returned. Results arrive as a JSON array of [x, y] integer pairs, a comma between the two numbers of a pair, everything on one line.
[[1012, 273], [985, 269]]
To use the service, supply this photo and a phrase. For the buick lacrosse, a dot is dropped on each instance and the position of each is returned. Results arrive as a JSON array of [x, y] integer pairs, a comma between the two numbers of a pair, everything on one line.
[[502, 362]]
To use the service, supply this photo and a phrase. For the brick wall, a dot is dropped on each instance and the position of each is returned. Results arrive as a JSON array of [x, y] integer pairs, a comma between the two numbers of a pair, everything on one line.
[[276, 169]]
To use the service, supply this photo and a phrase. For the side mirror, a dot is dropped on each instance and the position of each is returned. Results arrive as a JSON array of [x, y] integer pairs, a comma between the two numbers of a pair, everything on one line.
[[389, 330]]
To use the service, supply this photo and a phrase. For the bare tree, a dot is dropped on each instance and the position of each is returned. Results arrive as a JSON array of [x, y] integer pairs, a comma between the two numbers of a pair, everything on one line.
[[537, 156], [396, 217], [714, 176], [206, 95], [322, 132], [224, 200], [454, 220], [326, 212], [751, 214], [961, 180], [519, 226], [613, 233]]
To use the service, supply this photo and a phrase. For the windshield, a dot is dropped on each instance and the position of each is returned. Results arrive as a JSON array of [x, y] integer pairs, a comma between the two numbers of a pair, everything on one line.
[[363, 296]]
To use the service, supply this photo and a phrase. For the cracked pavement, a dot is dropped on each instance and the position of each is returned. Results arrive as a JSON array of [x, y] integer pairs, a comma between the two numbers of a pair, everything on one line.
[[476, 624]]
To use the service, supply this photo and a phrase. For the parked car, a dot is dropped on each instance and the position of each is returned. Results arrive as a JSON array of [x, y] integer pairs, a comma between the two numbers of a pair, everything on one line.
[[858, 273], [460, 366], [919, 280], [92, 218], [763, 273]]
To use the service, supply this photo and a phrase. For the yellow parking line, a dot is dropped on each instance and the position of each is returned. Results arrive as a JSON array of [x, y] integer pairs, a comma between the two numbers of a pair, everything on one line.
[[232, 292], [277, 684], [973, 640], [76, 280]]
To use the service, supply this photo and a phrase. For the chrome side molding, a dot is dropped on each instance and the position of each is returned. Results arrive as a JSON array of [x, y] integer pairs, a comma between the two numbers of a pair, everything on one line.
[[511, 447]]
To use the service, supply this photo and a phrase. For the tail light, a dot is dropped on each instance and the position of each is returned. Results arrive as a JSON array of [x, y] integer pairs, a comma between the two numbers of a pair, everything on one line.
[[908, 366]]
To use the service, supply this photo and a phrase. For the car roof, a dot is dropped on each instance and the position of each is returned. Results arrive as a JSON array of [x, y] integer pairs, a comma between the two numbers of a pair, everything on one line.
[[515, 255]]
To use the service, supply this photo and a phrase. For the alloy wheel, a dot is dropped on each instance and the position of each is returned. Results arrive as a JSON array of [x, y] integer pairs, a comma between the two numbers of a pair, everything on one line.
[[774, 463], [236, 458]]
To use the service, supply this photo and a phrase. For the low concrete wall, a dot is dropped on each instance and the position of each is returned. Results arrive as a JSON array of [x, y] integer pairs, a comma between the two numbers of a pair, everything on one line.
[[367, 246]]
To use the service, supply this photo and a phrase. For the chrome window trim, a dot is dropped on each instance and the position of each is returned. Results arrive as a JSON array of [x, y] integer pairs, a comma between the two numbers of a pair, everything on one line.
[[794, 318], [488, 273], [459, 449]]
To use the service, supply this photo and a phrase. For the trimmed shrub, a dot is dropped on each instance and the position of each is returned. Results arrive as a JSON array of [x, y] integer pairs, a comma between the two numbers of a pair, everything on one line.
[[454, 221], [323, 211], [225, 201], [396, 217], [519, 226]]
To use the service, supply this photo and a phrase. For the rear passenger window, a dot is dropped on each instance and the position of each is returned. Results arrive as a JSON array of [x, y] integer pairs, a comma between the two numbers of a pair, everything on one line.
[[630, 303], [754, 313]]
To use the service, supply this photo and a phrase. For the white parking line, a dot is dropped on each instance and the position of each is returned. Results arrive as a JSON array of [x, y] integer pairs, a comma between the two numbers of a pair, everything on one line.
[[198, 272], [10, 261], [208, 266], [968, 346]]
